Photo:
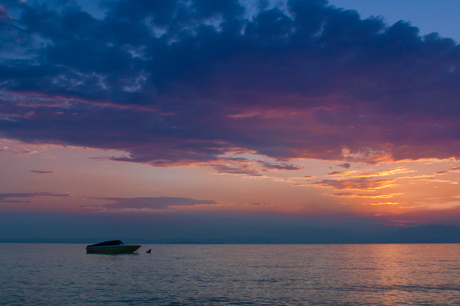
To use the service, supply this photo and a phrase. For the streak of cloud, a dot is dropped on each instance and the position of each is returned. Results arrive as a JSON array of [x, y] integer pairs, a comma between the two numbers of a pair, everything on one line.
[[354, 184], [5, 197], [43, 172], [152, 203]]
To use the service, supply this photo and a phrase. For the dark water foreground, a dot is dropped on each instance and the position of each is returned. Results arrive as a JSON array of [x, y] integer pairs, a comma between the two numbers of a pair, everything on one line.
[[386, 274]]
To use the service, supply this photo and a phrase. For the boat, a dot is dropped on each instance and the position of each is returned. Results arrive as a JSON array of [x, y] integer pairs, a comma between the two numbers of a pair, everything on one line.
[[111, 247]]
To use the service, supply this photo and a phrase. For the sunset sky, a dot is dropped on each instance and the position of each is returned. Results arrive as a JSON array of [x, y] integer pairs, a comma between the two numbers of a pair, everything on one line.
[[167, 117]]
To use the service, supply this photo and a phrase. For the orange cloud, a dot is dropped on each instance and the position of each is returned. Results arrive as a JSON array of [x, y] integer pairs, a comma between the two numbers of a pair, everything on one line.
[[399, 170], [382, 203], [365, 196]]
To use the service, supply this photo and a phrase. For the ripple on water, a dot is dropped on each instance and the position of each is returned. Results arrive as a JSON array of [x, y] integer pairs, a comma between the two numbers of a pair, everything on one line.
[[58, 274]]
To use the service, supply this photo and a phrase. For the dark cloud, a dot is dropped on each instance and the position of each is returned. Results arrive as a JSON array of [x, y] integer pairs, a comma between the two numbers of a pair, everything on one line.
[[248, 167], [152, 203], [42, 172], [345, 165], [236, 166], [176, 82], [454, 169], [279, 166], [237, 169]]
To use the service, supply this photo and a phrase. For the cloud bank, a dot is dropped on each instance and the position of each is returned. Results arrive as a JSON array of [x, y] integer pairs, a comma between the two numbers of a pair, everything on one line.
[[181, 82]]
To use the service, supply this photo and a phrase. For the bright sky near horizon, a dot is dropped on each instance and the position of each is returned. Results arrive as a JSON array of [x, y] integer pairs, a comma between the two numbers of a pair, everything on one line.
[[299, 110]]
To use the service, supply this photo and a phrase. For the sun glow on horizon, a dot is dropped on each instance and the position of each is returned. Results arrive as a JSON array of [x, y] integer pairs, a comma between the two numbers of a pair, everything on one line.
[[76, 179]]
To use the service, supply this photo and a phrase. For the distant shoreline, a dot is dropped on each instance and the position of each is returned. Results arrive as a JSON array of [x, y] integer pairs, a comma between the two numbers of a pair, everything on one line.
[[428, 234]]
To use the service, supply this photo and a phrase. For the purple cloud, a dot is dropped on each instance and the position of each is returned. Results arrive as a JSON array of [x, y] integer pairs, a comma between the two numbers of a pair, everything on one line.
[[4, 197], [454, 169], [361, 183], [236, 169], [42, 172], [345, 165], [278, 166], [178, 82]]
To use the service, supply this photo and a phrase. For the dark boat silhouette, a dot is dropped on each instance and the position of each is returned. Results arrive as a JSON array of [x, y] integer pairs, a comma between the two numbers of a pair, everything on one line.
[[111, 247]]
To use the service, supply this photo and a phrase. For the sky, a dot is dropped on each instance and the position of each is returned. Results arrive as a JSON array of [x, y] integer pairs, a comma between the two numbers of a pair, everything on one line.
[[167, 118]]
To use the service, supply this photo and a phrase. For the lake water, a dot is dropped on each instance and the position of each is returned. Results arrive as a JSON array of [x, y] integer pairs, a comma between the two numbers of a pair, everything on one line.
[[385, 274]]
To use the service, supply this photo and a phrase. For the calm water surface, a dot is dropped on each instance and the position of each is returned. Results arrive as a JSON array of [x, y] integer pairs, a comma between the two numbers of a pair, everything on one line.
[[63, 274]]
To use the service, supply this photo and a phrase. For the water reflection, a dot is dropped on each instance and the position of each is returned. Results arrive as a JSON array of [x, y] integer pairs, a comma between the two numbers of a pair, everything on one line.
[[232, 274]]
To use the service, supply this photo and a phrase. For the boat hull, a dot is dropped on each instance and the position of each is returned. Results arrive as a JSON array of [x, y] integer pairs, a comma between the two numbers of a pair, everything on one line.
[[112, 249]]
